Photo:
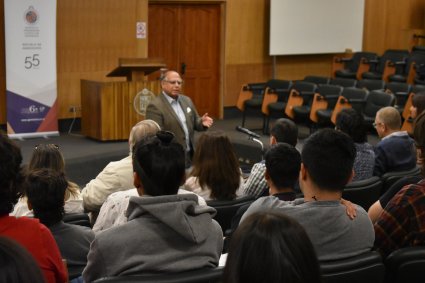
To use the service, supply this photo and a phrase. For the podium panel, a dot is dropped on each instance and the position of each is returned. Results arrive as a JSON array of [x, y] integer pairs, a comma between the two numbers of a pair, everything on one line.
[[107, 111]]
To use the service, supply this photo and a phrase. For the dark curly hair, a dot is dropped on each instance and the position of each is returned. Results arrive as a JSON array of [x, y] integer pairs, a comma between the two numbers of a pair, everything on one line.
[[11, 175]]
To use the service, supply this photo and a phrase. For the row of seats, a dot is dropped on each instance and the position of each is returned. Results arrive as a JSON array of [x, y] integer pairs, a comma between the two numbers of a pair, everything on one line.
[[404, 265], [318, 100], [394, 65]]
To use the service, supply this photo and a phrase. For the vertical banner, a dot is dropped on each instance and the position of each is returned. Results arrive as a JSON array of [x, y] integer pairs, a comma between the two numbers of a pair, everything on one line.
[[31, 87]]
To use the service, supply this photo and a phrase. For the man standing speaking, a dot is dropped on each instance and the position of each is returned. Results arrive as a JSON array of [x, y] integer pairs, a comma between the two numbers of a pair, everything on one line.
[[176, 113]]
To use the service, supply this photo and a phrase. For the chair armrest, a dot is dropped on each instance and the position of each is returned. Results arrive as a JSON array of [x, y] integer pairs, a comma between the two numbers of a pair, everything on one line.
[[357, 101], [343, 59], [334, 96], [370, 61], [307, 93]]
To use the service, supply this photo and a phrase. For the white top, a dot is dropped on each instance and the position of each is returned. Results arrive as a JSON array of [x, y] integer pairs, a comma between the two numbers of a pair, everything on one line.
[[73, 205], [114, 209], [192, 185]]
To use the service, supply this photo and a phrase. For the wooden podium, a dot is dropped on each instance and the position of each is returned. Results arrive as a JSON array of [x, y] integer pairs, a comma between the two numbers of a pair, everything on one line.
[[107, 111]]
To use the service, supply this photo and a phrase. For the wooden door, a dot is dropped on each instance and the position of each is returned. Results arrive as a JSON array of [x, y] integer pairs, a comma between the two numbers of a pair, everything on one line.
[[187, 36]]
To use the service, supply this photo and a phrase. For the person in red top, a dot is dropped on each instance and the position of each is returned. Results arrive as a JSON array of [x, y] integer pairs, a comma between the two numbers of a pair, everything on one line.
[[28, 232]]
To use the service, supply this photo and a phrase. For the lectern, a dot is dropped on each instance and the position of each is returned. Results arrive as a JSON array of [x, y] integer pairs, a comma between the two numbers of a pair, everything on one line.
[[107, 111]]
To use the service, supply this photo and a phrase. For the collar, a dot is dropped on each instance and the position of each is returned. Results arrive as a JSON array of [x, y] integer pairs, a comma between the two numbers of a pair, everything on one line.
[[169, 98], [286, 196], [396, 134]]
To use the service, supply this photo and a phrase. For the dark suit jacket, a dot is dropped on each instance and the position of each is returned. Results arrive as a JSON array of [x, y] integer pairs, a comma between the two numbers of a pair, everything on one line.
[[160, 110]]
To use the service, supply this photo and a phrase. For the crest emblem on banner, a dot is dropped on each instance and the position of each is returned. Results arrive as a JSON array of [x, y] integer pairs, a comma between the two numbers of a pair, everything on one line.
[[31, 15]]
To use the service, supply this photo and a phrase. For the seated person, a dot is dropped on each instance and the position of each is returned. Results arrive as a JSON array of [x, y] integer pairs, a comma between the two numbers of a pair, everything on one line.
[[396, 150], [377, 207], [271, 247], [215, 174], [283, 131], [17, 264], [28, 232], [402, 222], [327, 166], [114, 210], [117, 175], [45, 190], [283, 162], [49, 156], [349, 121], [165, 232]]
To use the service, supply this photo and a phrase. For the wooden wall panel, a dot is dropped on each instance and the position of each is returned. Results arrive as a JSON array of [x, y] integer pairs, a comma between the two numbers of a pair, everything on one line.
[[92, 35]]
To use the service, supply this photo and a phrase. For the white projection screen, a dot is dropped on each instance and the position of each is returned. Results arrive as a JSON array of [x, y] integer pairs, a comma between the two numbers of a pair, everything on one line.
[[315, 26]]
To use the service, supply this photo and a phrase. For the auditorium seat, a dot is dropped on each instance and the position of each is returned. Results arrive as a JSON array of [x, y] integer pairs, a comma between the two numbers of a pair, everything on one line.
[[406, 265], [376, 100], [408, 68], [324, 102], [390, 178], [380, 69], [371, 84], [401, 92], [348, 67], [250, 97], [364, 192], [350, 97], [316, 79], [300, 97], [343, 82], [367, 267], [226, 209], [274, 102], [205, 275]]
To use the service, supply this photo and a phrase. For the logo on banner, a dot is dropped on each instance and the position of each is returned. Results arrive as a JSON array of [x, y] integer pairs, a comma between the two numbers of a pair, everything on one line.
[[31, 15], [33, 109]]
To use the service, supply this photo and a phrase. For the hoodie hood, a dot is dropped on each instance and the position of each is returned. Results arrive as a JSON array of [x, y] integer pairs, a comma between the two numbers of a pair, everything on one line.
[[179, 212]]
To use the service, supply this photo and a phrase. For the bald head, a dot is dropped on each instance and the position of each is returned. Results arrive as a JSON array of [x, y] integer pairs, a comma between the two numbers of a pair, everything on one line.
[[390, 117], [142, 129]]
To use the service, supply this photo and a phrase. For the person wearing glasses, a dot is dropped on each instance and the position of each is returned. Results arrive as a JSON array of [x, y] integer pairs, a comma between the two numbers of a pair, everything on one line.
[[165, 232], [176, 112], [396, 150]]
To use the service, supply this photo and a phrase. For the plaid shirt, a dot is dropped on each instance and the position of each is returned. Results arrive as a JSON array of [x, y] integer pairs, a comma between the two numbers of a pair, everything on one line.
[[256, 183], [402, 223]]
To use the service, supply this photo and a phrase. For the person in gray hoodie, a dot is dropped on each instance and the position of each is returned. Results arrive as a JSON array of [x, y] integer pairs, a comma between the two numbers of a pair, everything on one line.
[[165, 232]]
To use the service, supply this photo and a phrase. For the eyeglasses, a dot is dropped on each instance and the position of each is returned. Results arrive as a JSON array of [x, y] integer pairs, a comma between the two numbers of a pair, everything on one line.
[[376, 124], [174, 82], [46, 145]]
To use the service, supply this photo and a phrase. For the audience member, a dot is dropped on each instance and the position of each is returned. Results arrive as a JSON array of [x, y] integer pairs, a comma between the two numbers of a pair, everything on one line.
[[175, 112], [32, 235], [117, 175], [165, 232], [418, 104], [402, 221], [114, 210], [45, 190], [351, 122], [271, 247], [327, 166], [283, 130], [216, 174], [17, 264], [49, 156], [283, 162], [396, 150]]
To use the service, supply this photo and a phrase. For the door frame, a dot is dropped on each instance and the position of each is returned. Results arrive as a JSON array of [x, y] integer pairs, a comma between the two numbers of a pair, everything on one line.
[[221, 68]]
